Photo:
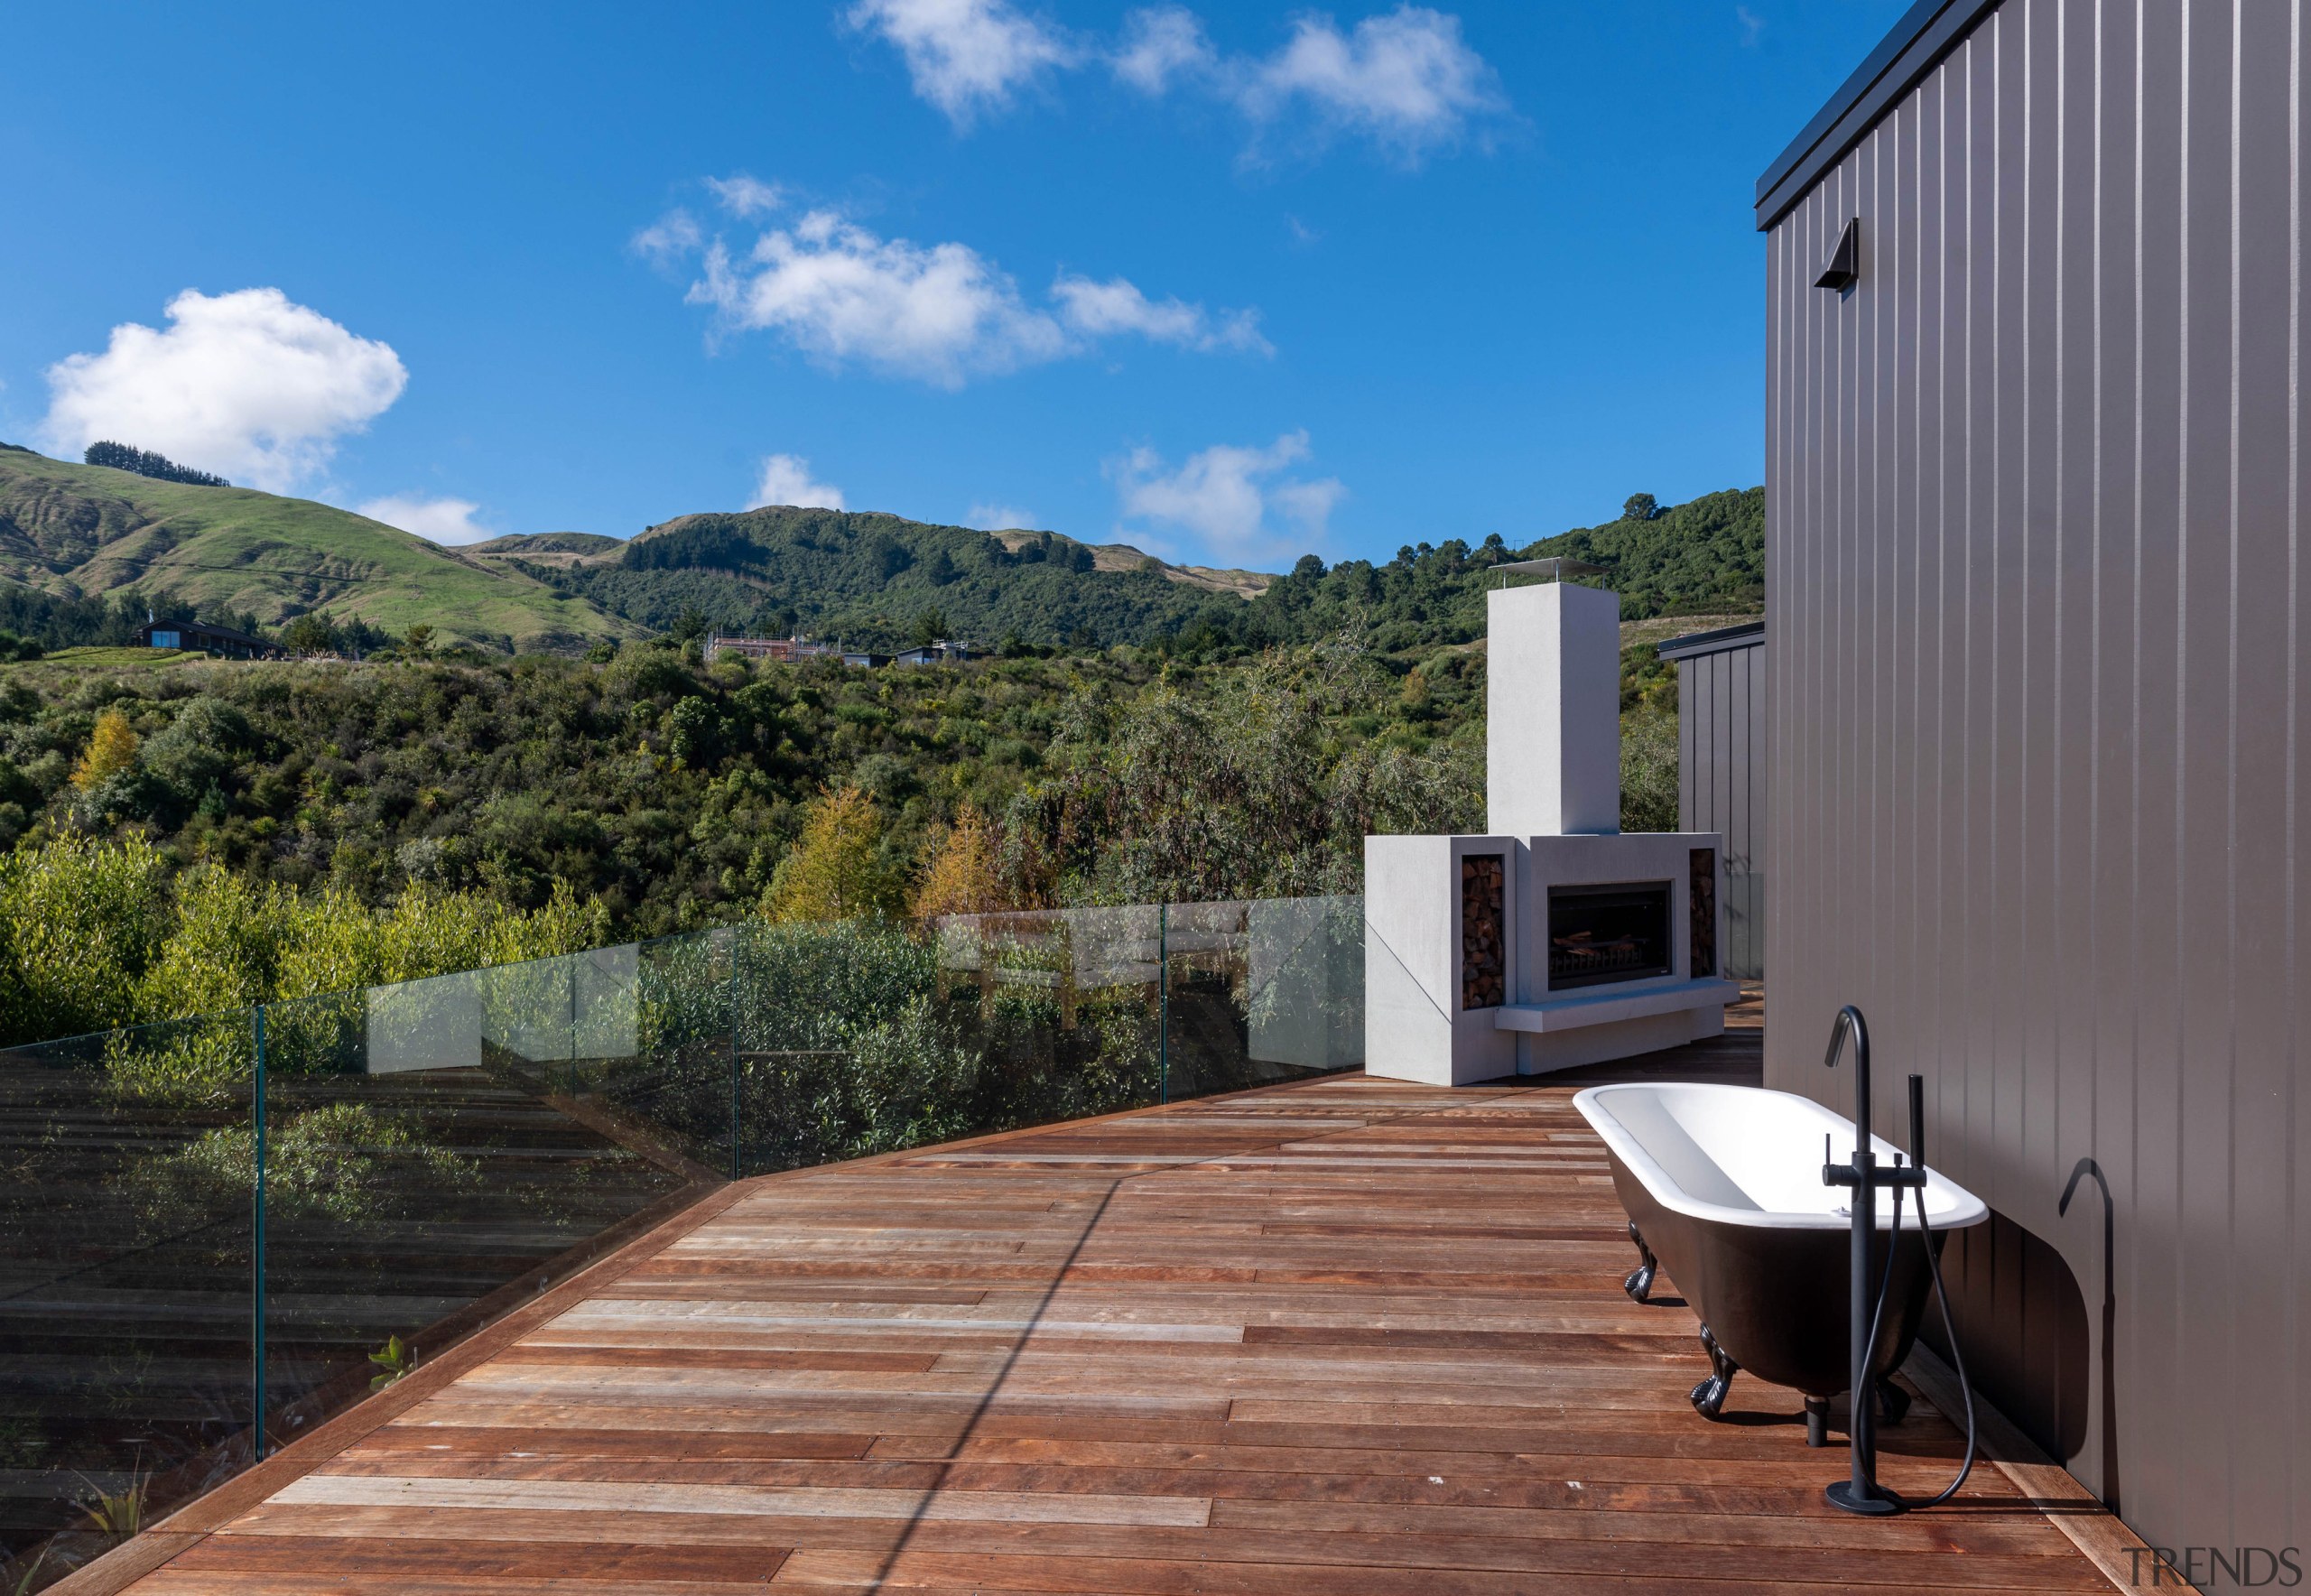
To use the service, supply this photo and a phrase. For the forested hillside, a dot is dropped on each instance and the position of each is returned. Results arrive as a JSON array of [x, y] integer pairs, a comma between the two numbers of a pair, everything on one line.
[[86, 550], [339, 813], [670, 791], [1704, 557], [640, 792], [882, 581]]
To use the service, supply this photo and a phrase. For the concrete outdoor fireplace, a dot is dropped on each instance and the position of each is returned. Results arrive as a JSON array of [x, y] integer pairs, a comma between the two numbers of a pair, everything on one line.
[[1556, 939]]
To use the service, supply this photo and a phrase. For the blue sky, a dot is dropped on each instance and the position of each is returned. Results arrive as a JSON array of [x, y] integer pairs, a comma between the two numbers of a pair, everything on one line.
[[1229, 281]]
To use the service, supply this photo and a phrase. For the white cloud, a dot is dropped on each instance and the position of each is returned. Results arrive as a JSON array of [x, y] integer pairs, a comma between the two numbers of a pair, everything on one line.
[[942, 314], [1098, 309], [966, 56], [1162, 44], [989, 517], [1753, 26], [1406, 80], [841, 295], [1237, 500], [442, 520], [244, 383], [786, 480], [670, 239], [745, 196]]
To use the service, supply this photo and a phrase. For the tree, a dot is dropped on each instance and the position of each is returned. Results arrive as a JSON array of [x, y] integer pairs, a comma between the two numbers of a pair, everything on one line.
[[311, 633], [420, 639], [81, 921], [120, 457], [929, 627], [695, 734], [1640, 506], [965, 876], [112, 749], [833, 872], [1649, 771]]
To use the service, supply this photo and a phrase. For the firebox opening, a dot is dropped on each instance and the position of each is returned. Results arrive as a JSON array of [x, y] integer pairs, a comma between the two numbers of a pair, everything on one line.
[[1617, 931]]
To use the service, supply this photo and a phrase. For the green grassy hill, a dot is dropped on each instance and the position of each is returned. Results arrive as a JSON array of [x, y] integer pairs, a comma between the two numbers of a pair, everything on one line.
[[549, 548], [77, 531]]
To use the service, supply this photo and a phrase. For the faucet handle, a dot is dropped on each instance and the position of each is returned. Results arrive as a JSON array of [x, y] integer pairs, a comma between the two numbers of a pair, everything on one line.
[[1833, 1174]]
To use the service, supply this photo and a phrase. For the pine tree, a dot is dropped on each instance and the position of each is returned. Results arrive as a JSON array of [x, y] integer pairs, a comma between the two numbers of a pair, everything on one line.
[[964, 876], [111, 750], [833, 872]]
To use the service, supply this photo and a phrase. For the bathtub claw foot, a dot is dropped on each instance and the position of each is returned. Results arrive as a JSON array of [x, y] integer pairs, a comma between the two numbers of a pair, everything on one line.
[[1817, 1421], [1640, 1283], [1893, 1402], [1708, 1397]]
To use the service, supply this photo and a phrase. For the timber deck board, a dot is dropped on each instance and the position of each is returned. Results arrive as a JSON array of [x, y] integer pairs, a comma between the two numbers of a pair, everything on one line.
[[1344, 1336]]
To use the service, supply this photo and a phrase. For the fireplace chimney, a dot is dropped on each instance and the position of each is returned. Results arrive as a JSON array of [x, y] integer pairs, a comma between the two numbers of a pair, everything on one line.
[[1553, 731]]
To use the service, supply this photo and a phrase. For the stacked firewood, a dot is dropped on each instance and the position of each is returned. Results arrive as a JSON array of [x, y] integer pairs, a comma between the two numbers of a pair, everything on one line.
[[1484, 968]]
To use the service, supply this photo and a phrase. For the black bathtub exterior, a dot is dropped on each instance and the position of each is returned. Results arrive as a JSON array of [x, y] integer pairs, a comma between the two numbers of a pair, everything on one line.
[[1774, 1298]]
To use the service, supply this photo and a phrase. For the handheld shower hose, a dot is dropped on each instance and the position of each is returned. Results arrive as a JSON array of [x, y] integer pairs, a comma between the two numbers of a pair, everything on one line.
[[1949, 1334], [1861, 1492]]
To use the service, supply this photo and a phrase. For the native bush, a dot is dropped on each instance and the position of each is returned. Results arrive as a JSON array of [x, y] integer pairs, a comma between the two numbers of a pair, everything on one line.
[[81, 921], [93, 934], [208, 1063], [1649, 771], [341, 1161]]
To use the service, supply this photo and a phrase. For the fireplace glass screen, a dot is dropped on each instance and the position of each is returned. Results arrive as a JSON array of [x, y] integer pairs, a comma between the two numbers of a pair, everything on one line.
[[1616, 932]]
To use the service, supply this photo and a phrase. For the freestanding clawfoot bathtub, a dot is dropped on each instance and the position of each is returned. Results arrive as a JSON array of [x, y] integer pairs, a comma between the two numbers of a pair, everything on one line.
[[1723, 1185]]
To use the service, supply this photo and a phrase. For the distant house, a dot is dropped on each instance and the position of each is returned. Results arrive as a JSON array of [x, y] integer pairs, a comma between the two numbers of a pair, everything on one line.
[[199, 638], [870, 661], [783, 649], [937, 654]]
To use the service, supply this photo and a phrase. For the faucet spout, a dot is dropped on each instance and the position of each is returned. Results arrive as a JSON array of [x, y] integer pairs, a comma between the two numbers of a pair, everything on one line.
[[1849, 1026]]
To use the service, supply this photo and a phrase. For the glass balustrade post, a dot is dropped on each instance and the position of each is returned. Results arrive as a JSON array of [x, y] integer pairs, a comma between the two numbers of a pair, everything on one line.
[[256, 1241], [569, 980], [1164, 999], [731, 1004]]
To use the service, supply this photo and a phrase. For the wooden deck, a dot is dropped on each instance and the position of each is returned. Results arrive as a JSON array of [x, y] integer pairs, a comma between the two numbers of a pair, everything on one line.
[[1345, 1336]]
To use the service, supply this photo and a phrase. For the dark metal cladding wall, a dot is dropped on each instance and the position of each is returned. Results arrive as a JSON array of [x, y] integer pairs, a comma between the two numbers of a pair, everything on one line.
[[2039, 687], [1721, 785]]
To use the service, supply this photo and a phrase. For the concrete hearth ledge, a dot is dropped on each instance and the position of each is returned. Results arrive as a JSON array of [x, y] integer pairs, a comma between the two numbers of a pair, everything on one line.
[[1570, 1014]]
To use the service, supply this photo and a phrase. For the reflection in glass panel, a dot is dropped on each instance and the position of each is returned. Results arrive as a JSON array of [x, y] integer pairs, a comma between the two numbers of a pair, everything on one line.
[[436, 1151], [1260, 991], [1305, 982], [866, 1036], [125, 1306]]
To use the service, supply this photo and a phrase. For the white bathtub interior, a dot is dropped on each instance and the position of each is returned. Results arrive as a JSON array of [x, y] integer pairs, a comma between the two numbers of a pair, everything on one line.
[[1747, 1155]]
